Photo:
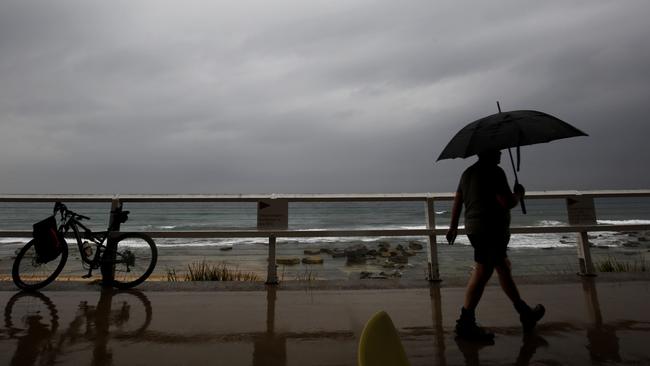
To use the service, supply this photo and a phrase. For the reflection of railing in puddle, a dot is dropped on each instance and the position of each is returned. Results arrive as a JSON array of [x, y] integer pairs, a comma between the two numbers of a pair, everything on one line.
[[603, 342], [33, 319], [269, 346]]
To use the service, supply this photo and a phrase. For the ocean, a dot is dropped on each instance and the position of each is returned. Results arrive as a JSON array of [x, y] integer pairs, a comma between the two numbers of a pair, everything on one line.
[[330, 215]]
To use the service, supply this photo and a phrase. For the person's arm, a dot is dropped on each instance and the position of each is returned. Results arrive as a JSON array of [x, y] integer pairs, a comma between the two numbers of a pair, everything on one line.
[[455, 217], [520, 192], [505, 197]]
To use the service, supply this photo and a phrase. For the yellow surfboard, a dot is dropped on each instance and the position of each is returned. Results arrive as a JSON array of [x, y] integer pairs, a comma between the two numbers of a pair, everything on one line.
[[379, 344]]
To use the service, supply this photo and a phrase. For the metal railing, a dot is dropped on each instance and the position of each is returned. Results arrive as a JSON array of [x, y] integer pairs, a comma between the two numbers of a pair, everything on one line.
[[580, 209]]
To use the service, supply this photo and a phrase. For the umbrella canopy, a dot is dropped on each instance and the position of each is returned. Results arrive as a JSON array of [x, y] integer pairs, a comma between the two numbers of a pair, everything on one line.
[[505, 130]]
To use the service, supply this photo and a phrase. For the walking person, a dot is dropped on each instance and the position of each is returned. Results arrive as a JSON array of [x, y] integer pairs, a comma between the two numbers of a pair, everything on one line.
[[487, 198]]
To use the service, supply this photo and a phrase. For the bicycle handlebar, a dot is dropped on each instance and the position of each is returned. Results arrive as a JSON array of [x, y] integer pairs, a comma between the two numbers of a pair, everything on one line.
[[58, 206], [63, 209]]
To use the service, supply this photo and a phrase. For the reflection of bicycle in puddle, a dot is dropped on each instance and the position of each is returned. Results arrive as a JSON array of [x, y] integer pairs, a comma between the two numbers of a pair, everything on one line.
[[32, 319]]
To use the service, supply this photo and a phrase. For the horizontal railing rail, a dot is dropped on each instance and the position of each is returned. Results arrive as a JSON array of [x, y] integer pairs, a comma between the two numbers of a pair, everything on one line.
[[582, 217], [222, 234], [301, 197]]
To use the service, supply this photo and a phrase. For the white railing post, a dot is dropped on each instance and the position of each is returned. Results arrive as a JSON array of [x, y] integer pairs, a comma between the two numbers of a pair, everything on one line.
[[107, 267], [433, 272], [115, 205], [581, 211], [272, 269], [272, 214]]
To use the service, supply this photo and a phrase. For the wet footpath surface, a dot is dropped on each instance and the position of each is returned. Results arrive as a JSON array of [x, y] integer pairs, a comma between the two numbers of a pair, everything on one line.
[[587, 323]]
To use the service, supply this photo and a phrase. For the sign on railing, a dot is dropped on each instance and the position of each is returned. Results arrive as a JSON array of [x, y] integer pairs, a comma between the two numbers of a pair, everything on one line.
[[273, 214]]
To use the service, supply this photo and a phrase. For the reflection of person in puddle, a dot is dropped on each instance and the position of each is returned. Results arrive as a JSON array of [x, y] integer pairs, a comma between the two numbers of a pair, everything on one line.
[[30, 346], [484, 191], [531, 342]]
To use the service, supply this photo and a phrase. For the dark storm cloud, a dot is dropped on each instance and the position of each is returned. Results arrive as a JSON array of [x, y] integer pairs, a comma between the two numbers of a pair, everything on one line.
[[361, 96]]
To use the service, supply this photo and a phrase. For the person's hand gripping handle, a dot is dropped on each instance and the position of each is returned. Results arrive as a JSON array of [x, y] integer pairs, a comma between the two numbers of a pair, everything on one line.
[[520, 192]]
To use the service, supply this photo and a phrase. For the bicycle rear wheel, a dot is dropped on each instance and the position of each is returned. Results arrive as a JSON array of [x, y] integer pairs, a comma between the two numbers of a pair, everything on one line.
[[131, 314], [29, 273], [135, 259]]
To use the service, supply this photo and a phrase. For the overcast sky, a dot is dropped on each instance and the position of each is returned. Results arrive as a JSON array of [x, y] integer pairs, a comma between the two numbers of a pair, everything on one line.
[[313, 96]]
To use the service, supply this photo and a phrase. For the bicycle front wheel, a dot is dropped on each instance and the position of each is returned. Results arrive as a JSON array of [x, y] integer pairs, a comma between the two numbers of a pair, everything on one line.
[[25, 307], [135, 259], [30, 273]]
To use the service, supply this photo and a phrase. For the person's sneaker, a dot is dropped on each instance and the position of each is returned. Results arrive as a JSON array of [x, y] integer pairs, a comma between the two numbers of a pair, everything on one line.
[[470, 331], [530, 318]]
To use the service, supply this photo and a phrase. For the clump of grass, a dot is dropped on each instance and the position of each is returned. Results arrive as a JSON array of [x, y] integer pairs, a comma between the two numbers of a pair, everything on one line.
[[206, 271], [306, 276], [611, 264], [171, 275]]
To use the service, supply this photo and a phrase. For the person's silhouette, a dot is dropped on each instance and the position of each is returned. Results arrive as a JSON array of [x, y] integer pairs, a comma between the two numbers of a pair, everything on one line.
[[487, 198]]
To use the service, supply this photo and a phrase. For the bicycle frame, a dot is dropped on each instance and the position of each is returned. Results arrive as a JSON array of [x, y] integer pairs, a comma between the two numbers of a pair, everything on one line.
[[70, 222], [98, 238]]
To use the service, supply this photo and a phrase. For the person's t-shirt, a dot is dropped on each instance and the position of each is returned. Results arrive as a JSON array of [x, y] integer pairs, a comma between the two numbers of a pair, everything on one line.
[[480, 185]]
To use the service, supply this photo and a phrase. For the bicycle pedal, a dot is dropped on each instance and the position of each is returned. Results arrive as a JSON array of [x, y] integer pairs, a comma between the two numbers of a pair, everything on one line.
[[87, 275]]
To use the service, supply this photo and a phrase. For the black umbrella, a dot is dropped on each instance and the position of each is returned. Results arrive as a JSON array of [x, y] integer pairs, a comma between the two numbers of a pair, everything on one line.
[[505, 130]]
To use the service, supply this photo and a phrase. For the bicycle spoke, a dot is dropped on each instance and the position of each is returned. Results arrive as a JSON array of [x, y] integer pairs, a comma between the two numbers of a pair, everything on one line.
[[31, 273], [134, 260]]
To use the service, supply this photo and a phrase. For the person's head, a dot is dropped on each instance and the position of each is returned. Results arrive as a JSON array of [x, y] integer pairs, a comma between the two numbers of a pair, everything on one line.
[[490, 157]]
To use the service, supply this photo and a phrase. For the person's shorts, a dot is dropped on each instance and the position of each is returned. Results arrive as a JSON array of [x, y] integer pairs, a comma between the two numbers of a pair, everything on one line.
[[490, 248]]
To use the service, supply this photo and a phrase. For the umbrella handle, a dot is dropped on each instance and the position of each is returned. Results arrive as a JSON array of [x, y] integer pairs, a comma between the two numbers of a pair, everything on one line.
[[514, 170]]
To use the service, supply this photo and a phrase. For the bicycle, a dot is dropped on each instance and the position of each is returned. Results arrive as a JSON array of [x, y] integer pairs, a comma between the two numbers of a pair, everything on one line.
[[133, 258]]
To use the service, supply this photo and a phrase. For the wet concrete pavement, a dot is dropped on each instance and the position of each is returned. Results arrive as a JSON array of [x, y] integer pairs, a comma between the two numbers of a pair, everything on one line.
[[587, 323]]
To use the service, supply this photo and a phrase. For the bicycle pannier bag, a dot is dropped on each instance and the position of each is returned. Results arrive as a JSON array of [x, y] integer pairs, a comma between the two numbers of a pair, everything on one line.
[[49, 241]]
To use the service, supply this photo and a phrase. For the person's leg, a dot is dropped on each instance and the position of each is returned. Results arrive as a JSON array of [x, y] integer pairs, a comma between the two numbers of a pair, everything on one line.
[[466, 326], [528, 317], [506, 281], [476, 285]]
